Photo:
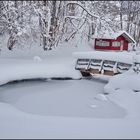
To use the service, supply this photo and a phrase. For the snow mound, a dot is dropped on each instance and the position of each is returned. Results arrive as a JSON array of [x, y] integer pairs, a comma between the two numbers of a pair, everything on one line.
[[124, 90], [37, 59], [93, 106], [101, 97], [128, 100], [129, 80]]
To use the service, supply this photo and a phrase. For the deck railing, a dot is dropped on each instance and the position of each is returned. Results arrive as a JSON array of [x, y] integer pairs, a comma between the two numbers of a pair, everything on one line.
[[106, 67]]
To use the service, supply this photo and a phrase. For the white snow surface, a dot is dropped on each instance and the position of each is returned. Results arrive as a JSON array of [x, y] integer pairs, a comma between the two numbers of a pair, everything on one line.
[[66, 109], [128, 81], [17, 124], [124, 57], [124, 89], [62, 109], [13, 69], [37, 59], [34, 63]]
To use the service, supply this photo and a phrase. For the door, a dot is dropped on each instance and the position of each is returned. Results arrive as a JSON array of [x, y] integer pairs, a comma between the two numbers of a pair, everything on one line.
[[122, 44]]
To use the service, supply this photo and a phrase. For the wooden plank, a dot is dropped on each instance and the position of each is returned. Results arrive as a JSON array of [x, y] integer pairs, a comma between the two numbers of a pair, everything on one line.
[[94, 71], [110, 73]]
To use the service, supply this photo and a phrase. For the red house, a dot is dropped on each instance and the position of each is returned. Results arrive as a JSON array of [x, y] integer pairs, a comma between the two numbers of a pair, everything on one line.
[[118, 41]]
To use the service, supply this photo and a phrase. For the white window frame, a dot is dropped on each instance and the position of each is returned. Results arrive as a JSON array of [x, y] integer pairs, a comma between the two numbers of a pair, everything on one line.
[[116, 44], [102, 43]]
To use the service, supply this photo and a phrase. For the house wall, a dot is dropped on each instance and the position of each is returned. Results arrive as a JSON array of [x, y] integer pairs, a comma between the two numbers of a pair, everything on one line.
[[110, 47], [125, 45]]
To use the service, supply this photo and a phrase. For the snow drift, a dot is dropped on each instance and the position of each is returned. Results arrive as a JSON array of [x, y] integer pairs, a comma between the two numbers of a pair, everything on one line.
[[124, 90], [12, 70], [129, 80]]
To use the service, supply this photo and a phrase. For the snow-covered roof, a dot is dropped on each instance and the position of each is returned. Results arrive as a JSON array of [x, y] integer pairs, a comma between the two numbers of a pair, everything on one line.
[[113, 35]]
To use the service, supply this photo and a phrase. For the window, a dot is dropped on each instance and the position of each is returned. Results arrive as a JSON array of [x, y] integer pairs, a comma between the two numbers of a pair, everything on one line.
[[102, 43], [116, 44]]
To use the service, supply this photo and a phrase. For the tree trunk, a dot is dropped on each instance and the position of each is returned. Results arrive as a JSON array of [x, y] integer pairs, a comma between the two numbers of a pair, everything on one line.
[[53, 24]]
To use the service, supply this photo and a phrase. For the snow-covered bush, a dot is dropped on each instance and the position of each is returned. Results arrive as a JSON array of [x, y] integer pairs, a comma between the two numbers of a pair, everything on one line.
[[136, 63], [37, 59], [136, 67]]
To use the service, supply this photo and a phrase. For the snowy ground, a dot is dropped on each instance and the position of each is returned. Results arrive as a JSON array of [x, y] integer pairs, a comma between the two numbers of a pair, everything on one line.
[[63, 109], [73, 98], [124, 89], [18, 69]]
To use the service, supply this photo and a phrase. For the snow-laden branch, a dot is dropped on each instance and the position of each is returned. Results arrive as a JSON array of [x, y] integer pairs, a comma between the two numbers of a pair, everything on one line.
[[76, 30], [88, 12]]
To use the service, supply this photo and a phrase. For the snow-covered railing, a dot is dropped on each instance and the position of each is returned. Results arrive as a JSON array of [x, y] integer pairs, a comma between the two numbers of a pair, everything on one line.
[[103, 66], [123, 67], [108, 63], [136, 67], [82, 64]]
